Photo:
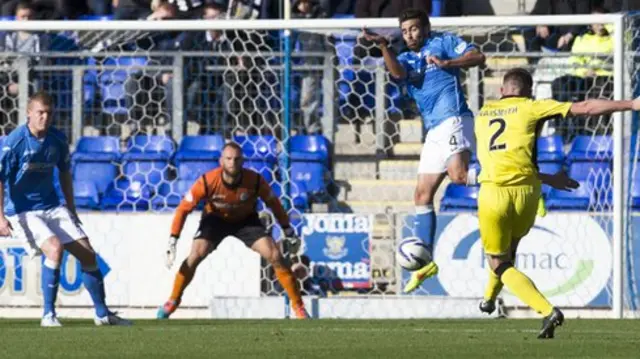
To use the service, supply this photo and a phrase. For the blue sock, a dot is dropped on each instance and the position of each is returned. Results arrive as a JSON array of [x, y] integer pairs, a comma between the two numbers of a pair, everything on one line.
[[93, 282], [50, 282], [425, 224]]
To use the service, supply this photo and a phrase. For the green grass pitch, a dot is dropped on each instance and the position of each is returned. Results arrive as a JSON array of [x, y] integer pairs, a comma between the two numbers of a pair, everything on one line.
[[320, 339]]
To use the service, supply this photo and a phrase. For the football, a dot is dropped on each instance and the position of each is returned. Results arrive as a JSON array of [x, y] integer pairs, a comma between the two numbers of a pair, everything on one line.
[[412, 254]]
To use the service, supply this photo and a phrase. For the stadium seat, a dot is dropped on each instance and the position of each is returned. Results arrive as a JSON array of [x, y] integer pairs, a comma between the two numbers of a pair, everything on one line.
[[127, 195], [297, 194], [112, 82], [548, 168], [197, 155], [260, 154], [170, 194], [591, 148], [595, 191], [96, 17], [96, 160], [147, 159], [459, 198], [86, 195], [550, 149], [635, 194], [310, 161]]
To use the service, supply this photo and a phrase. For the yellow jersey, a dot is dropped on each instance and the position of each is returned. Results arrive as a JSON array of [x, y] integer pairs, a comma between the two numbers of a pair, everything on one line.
[[506, 132]]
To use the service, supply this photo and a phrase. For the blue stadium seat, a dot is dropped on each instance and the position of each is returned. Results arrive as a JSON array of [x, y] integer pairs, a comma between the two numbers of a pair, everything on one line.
[[112, 82], [459, 198], [591, 148], [260, 153], [147, 159], [595, 189], [96, 160], [310, 161], [85, 194], [635, 194], [98, 148], [550, 149], [170, 194], [548, 168], [96, 17], [197, 155], [297, 194], [127, 195]]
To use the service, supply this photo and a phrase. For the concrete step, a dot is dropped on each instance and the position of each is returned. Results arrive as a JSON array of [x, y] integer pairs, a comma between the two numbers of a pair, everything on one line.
[[378, 190], [350, 169], [377, 207], [398, 169], [410, 130], [407, 148]]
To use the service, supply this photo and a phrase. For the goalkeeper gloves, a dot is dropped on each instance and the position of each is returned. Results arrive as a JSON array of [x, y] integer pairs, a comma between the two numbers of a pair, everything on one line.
[[292, 240], [171, 251]]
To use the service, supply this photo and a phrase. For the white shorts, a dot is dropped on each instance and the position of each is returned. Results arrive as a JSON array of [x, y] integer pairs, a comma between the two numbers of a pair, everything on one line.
[[452, 136], [35, 227]]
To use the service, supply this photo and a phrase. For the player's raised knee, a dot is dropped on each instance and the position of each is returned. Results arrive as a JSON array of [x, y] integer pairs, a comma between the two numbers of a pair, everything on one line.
[[53, 249]]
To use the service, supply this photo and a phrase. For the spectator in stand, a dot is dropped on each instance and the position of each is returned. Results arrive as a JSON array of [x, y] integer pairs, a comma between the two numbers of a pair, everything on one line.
[[311, 80], [19, 42], [591, 76], [205, 91], [134, 9], [555, 37], [142, 87]]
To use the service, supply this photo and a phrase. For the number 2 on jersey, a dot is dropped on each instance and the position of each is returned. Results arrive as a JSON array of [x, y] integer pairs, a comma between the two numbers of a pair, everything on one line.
[[502, 125]]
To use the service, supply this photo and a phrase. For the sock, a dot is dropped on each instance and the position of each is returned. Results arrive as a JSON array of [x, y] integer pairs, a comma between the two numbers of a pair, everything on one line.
[[472, 176], [494, 286], [425, 224], [94, 283], [50, 282], [183, 278], [290, 285], [523, 288]]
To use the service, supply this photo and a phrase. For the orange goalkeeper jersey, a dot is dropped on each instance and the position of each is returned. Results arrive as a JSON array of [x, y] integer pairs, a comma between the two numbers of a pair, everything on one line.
[[232, 203]]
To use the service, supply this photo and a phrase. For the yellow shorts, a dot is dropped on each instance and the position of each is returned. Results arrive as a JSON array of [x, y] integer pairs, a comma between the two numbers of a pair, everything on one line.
[[506, 214]]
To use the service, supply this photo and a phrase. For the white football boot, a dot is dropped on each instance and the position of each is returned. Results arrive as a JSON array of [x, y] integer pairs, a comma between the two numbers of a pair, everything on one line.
[[112, 319], [50, 320]]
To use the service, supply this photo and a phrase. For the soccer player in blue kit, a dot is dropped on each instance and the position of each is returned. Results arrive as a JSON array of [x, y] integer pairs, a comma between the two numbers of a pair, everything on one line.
[[430, 71], [32, 211]]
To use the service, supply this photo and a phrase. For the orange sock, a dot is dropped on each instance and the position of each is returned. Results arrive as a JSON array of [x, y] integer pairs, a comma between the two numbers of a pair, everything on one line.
[[183, 278], [290, 284]]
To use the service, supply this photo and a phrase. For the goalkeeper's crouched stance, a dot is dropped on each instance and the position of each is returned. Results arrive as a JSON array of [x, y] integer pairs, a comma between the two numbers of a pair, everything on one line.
[[230, 194]]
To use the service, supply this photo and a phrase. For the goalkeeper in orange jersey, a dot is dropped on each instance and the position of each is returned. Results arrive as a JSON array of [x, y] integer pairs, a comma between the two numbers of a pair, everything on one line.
[[231, 194]]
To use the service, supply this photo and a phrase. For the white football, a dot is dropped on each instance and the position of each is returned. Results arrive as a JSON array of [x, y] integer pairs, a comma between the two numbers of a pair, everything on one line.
[[412, 254]]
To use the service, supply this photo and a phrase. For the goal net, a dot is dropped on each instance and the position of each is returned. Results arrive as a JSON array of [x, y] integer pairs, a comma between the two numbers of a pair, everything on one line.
[[147, 106]]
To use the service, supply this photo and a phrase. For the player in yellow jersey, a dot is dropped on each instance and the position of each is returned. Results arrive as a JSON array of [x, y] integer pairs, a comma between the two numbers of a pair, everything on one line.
[[506, 132]]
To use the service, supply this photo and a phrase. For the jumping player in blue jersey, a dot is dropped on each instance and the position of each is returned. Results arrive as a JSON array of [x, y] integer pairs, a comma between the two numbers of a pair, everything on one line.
[[32, 211], [430, 71]]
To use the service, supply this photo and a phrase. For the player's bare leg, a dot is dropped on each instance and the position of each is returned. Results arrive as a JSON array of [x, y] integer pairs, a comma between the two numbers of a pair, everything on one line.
[[52, 249], [523, 288], [267, 248], [94, 282], [200, 249]]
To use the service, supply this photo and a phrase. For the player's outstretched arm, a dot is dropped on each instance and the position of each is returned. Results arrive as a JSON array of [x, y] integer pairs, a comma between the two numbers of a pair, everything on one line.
[[603, 107], [390, 59], [559, 180], [470, 58]]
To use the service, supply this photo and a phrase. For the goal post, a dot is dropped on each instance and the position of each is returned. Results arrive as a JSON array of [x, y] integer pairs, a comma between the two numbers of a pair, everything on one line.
[[252, 87]]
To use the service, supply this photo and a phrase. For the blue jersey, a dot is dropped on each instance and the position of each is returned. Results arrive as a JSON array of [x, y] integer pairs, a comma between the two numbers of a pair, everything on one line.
[[437, 92], [27, 170]]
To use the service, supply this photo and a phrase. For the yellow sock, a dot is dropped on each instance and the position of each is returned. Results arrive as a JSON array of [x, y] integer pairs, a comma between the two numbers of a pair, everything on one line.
[[523, 288], [494, 286], [290, 285]]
